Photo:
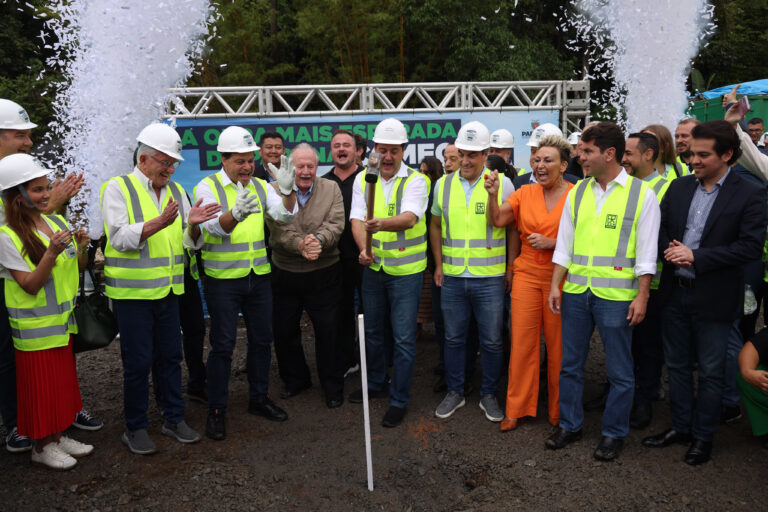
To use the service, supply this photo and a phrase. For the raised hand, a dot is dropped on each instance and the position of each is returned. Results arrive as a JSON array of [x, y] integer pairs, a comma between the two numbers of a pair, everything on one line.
[[199, 214], [286, 175], [492, 183], [245, 204]]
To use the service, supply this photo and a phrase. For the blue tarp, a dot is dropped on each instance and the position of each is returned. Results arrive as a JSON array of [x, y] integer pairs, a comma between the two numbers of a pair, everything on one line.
[[754, 87]]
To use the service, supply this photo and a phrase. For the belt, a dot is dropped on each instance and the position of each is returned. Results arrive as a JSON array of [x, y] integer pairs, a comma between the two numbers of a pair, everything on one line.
[[685, 282]]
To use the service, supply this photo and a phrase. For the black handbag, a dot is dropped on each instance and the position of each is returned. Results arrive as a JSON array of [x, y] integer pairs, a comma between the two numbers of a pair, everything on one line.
[[96, 324]]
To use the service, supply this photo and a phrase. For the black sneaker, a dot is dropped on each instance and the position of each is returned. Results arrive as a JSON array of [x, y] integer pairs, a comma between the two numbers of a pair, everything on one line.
[[730, 415], [393, 417], [84, 421], [214, 426], [197, 395], [15, 443]]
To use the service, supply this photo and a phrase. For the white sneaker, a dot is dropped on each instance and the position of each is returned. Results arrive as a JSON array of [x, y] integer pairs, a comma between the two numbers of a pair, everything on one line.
[[74, 448], [52, 457]]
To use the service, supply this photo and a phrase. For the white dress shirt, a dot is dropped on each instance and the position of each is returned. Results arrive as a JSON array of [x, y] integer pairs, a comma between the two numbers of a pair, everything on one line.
[[415, 197], [647, 235], [275, 208], [125, 236]]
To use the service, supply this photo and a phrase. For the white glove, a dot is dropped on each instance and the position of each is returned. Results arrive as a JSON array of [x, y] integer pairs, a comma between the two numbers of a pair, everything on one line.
[[245, 205], [286, 175]]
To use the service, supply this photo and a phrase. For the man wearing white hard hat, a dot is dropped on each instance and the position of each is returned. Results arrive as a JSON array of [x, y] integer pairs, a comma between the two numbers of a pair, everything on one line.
[[237, 271], [503, 145], [148, 222], [470, 267], [392, 279], [15, 137]]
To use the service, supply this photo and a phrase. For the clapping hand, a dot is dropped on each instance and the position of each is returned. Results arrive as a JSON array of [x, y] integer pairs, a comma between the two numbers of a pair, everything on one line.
[[82, 239], [170, 213], [286, 175], [59, 241], [64, 190], [311, 247], [199, 214]]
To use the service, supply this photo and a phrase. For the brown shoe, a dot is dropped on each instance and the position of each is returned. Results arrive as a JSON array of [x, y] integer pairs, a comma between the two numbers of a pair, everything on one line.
[[508, 424]]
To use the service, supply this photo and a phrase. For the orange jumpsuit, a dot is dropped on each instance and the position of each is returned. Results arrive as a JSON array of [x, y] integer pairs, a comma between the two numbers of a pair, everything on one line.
[[530, 313]]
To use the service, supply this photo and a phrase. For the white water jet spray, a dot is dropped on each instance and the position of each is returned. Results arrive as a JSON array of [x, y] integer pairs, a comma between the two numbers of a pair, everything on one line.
[[646, 47], [119, 57]]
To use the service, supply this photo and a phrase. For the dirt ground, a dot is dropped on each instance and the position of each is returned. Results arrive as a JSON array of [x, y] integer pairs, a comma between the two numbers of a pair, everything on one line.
[[316, 460]]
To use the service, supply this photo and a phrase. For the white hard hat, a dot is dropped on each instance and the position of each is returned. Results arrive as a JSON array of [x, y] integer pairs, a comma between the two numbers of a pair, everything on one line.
[[473, 136], [502, 139], [542, 131], [573, 138], [20, 168], [390, 131], [13, 116], [236, 140], [163, 138]]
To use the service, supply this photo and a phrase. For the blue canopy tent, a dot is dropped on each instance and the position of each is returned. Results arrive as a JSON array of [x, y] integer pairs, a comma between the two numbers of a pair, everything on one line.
[[749, 88]]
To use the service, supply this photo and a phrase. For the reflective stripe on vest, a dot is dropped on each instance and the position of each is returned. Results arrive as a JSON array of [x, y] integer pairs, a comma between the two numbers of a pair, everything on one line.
[[225, 258], [398, 252], [160, 261], [610, 273], [659, 185], [473, 244], [44, 320]]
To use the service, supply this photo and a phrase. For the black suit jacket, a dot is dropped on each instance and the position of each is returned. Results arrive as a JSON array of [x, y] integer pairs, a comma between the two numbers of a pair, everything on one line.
[[525, 179], [261, 172], [734, 234]]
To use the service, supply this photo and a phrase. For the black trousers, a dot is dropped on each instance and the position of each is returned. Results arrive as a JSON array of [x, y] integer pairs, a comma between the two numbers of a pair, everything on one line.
[[193, 329], [318, 294], [351, 280], [648, 353]]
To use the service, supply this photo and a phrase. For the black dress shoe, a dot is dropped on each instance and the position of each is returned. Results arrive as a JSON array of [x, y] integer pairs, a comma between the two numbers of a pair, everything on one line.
[[641, 415], [608, 448], [334, 402], [698, 453], [393, 417], [268, 409], [666, 438], [289, 392], [356, 397], [214, 426], [730, 415], [562, 438]]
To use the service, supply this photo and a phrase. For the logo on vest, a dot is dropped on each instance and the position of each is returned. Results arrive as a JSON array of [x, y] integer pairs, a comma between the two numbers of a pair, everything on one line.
[[480, 208], [611, 221], [391, 209]]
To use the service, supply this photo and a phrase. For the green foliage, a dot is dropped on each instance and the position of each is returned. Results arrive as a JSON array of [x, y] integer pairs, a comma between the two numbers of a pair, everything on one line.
[[737, 51]]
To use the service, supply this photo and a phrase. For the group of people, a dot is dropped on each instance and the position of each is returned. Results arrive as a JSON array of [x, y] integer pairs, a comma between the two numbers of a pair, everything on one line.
[[622, 233]]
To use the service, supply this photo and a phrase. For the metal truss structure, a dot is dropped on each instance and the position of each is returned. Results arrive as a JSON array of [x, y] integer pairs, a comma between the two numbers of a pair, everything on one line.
[[571, 98]]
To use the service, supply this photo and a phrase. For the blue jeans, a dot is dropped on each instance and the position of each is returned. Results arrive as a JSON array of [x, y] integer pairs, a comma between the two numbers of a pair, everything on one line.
[[391, 301], [731, 395], [150, 332], [687, 335], [580, 313], [461, 297], [7, 366], [251, 295]]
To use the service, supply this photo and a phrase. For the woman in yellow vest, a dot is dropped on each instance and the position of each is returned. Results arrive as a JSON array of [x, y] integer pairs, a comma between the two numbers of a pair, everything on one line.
[[535, 211], [39, 259]]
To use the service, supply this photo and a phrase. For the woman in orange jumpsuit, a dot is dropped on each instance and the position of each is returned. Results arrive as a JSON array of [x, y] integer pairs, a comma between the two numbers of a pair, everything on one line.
[[535, 210]]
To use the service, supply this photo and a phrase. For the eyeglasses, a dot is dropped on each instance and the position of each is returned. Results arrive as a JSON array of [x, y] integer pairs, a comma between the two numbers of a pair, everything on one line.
[[167, 164]]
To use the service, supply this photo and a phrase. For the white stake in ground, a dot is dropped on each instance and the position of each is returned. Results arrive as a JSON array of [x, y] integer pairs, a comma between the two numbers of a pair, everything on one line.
[[366, 412]]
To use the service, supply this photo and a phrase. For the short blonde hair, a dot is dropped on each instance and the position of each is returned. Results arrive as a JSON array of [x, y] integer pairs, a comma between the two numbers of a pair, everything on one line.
[[559, 143]]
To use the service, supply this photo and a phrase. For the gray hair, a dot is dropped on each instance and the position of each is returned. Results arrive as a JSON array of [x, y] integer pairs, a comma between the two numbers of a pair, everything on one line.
[[305, 147], [143, 149]]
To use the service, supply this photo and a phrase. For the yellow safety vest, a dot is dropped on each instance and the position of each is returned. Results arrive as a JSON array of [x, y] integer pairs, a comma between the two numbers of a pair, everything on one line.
[[604, 244], [398, 253], [244, 249], [44, 320], [659, 185], [158, 268], [468, 241], [676, 170]]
